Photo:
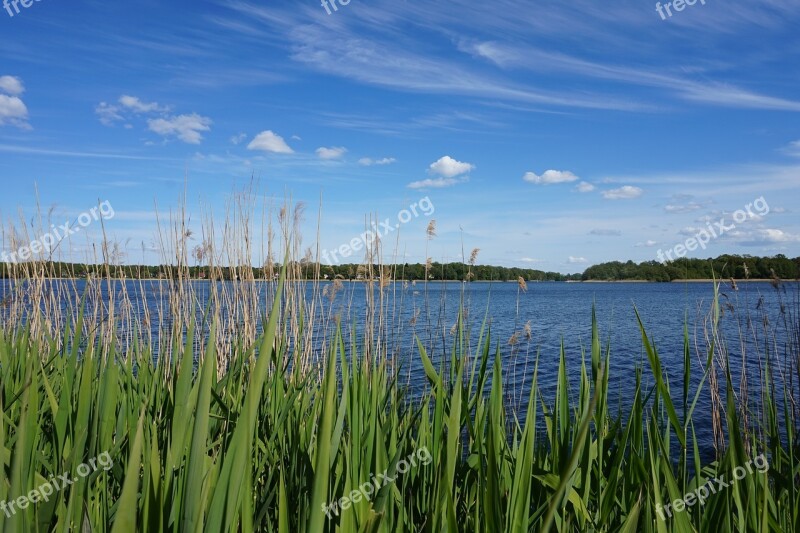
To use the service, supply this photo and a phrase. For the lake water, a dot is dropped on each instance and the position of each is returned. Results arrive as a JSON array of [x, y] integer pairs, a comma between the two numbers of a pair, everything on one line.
[[754, 314]]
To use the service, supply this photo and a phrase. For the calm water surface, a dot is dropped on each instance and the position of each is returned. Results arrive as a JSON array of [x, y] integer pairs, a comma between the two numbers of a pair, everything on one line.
[[561, 313]]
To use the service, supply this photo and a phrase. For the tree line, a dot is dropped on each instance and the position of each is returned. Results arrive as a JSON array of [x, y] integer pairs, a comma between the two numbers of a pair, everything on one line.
[[724, 266]]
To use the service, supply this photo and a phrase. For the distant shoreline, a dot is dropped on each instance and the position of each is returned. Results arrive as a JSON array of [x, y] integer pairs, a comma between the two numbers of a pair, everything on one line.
[[418, 281], [700, 280]]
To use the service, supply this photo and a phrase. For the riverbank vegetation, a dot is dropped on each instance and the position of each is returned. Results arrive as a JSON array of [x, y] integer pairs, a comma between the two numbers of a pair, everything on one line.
[[270, 442], [273, 410]]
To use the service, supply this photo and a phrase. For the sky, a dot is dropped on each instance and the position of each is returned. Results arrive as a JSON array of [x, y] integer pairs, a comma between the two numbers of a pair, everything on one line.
[[551, 135]]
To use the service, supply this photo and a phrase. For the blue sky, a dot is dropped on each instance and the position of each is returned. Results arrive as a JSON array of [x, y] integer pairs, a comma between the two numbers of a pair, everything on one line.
[[551, 135]]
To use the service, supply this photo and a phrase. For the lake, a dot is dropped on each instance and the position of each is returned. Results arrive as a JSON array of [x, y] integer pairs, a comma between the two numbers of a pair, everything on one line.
[[754, 315]]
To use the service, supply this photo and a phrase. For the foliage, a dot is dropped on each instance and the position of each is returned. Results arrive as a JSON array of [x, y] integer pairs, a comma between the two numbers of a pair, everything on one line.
[[724, 266], [265, 446]]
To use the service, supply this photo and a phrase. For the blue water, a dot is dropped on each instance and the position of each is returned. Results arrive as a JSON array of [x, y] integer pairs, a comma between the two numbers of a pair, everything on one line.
[[755, 316]]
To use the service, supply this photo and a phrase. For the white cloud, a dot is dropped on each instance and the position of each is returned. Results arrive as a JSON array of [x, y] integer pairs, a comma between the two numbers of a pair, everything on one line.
[[492, 51], [11, 85], [368, 162], [531, 260], [237, 139], [111, 113], [606, 232], [774, 236], [269, 141], [686, 208], [334, 152], [623, 193], [435, 183], [12, 109], [585, 186], [137, 106], [689, 231], [187, 128], [577, 260], [646, 244], [549, 177], [450, 168], [108, 113]]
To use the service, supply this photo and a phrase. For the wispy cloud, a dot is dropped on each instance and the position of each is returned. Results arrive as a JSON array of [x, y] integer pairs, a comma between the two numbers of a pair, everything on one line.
[[69, 153], [792, 149], [368, 162], [435, 183], [606, 232], [374, 61]]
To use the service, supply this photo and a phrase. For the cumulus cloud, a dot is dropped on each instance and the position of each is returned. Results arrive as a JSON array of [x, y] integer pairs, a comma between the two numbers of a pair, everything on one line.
[[137, 106], [531, 260], [12, 109], [623, 193], [550, 177], [130, 106], [269, 141], [187, 128], [368, 162], [577, 260], [450, 168], [334, 152], [606, 232], [585, 186], [646, 244], [435, 183], [11, 85], [771, 236]]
